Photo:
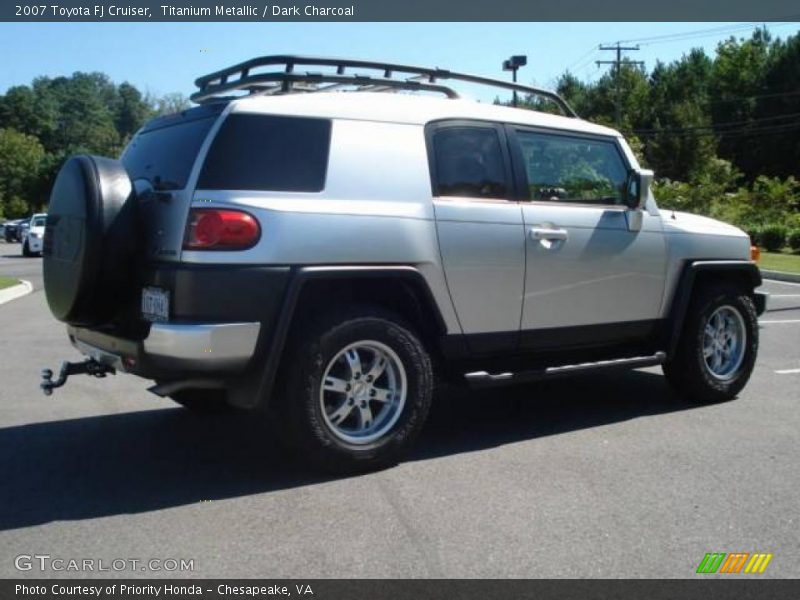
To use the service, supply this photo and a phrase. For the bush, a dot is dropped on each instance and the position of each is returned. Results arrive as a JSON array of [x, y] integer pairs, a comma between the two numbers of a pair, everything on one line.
[[772, 237], [794, 240], [754, 231]]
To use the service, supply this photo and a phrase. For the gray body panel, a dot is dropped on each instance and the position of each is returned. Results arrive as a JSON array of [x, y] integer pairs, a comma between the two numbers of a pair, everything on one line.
[[485, 271], [604, 272]]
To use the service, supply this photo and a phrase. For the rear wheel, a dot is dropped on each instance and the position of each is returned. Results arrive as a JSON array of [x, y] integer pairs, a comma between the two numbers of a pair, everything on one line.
[[718, 346], [202, 401], [357, 393]]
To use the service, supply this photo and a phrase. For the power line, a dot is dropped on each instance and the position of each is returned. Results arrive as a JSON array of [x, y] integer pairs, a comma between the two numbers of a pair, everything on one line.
[[619, 49], [774, 129], [582, 58], [713, 31], [725, 124], [754, 97]]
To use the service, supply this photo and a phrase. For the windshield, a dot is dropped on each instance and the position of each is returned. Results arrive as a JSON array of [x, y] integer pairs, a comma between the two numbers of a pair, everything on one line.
[[38, 222], [164, 155]]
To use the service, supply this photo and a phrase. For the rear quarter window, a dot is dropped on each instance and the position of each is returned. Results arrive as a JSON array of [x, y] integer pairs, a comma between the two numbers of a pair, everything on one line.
[[165, 149], [268, 153]]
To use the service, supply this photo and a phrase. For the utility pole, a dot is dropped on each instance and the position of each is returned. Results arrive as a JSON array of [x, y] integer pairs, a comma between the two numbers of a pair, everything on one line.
[[619, 49]]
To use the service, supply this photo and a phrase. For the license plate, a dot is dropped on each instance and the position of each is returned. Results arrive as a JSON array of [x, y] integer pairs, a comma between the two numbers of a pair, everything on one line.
[[155, 304]]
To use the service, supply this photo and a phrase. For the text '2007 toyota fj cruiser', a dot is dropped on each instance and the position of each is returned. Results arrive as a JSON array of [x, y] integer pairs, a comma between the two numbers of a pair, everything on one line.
[[319, 249]]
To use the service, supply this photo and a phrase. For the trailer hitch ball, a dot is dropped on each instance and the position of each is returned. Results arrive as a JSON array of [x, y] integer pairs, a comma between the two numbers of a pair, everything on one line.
[[89, 367]]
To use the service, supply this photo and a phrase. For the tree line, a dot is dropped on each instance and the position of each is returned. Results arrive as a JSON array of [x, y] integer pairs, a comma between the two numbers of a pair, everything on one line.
[[722, 132], [43, 123]]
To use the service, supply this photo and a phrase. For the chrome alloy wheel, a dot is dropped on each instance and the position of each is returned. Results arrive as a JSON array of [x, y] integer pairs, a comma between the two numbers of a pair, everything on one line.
[[724, 342], [363, 392]]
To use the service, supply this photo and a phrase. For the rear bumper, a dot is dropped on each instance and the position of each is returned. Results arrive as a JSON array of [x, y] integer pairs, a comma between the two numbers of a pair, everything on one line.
[[34, 244], [173, 347], [220, 316]]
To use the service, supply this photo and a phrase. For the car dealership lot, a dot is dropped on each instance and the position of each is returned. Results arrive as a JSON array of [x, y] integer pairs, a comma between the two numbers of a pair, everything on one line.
[[606, 475]]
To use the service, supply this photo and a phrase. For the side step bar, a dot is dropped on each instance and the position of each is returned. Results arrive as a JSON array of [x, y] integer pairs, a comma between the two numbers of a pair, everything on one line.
[[484, 379]]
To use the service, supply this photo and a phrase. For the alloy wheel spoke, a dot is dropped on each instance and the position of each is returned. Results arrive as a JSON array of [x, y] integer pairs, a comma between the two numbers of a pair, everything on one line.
[[353, 361], [342, 411], [378, 367], [382, 395], [334, 384], [364, 415]]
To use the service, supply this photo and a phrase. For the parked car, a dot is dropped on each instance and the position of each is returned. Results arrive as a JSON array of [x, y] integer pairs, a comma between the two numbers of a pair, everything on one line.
[[12, 230], [33, 236], [321, 256]]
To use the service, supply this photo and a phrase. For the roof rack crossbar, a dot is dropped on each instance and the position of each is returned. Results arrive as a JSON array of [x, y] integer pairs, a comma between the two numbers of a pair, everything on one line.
[[393, 77]]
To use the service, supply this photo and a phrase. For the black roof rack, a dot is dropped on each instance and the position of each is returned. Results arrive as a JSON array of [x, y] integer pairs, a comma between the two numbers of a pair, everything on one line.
[[391, 77]]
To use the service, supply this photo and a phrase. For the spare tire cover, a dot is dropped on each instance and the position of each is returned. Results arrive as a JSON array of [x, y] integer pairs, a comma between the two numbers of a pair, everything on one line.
[[90, 221]]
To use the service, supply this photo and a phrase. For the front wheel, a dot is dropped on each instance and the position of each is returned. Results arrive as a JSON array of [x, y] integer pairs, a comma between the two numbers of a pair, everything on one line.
[[718, 346], [357, 393], [26, 250]]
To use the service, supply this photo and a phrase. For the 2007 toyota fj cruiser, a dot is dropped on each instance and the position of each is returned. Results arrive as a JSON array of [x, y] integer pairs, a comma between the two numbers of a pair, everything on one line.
[[321, 254]]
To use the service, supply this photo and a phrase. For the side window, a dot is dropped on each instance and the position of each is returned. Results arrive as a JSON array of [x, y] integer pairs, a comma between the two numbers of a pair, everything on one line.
[[269, 153], [572, 169], [469, 162]]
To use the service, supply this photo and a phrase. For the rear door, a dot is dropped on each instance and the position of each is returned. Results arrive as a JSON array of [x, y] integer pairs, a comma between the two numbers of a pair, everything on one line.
[[595, 268], [480, 230]]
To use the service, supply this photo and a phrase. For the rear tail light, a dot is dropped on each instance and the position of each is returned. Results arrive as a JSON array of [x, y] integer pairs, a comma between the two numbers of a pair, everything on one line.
[[217, 229]]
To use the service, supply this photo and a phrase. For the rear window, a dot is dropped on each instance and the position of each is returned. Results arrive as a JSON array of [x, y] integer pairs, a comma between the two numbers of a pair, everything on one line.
[[268, 153], [469, 162], [164, 155]]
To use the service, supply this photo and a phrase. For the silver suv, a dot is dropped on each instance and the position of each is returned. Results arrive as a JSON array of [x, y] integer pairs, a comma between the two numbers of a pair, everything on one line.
[[321, 250]]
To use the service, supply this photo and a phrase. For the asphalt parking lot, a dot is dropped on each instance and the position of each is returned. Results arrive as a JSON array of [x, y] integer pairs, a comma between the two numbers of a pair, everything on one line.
[[597, 476]]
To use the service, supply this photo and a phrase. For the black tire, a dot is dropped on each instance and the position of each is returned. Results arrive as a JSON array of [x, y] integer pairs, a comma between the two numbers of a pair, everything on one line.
[[688, 372], [300, 402], [202, 401], [26, 250], [90, 241]]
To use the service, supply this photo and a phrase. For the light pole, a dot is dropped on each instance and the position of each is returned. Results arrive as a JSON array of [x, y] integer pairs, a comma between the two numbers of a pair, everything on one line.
[[512, 64]]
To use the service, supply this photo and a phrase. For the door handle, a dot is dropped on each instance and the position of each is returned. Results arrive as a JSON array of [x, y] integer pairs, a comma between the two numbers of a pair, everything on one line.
[[547, 233]]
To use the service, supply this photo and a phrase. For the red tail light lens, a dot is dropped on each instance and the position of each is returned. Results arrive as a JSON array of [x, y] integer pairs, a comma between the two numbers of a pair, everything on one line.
[[215, 229]]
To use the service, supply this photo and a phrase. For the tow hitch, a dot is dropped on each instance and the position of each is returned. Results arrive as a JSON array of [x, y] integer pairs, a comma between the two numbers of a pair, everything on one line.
[[89, 367]]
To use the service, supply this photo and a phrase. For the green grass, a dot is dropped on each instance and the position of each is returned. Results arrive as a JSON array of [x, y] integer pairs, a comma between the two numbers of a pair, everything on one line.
[[780, 261], [7, 282]]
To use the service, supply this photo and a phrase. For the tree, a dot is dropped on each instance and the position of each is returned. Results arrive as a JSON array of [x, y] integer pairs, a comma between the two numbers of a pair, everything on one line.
[[131, 110], [21, 158], [171, 103]]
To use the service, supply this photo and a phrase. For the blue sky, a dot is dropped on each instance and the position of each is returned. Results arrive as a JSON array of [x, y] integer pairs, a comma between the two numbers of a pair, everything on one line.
[[166, 57]]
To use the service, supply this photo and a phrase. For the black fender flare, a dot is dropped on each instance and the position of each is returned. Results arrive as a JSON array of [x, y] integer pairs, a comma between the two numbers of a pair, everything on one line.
[[685, 287], [256, 390]]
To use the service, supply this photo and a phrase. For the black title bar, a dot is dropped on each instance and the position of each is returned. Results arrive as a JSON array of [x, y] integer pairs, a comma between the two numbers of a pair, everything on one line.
[[396, 10]]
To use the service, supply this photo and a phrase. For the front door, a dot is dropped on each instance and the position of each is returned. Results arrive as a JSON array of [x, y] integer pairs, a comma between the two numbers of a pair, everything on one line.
[[594, 268]]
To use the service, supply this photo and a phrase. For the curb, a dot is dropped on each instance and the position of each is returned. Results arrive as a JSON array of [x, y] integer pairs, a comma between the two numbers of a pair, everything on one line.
[[16, 291], [780, 276]]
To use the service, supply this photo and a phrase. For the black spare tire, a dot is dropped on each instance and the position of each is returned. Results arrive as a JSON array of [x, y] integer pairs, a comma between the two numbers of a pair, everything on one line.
[[89, 241]]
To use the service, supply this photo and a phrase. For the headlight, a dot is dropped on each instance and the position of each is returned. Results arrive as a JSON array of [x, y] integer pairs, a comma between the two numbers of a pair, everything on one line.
[[34, 235]]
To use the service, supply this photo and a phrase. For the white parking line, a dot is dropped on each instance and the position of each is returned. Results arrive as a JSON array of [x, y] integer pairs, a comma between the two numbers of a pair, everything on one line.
[[779, 321], [784, 295], [787, 371], [782, 282]]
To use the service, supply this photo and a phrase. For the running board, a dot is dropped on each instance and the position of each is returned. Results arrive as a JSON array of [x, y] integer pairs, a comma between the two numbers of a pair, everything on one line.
[[484, 379]]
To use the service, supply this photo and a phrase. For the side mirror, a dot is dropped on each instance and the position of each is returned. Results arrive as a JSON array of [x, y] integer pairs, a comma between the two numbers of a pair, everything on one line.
[[639, 181]]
